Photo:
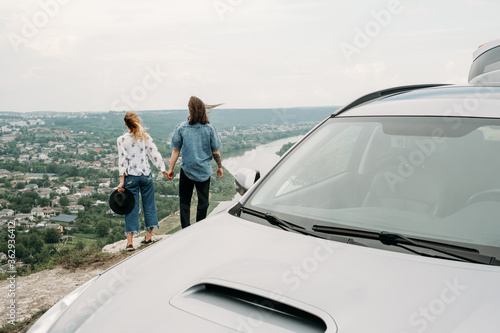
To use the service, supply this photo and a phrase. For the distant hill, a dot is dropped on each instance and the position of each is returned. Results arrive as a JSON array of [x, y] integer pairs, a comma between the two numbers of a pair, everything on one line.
[[161, 123]]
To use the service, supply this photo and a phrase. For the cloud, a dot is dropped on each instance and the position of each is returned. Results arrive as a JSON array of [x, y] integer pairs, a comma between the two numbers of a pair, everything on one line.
[[366, 68]]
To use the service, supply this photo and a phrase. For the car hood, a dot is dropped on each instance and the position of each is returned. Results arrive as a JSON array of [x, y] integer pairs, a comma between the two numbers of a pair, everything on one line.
[[226, 274]]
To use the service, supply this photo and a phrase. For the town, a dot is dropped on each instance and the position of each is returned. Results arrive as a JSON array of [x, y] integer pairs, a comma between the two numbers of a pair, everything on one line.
[[58, 169]]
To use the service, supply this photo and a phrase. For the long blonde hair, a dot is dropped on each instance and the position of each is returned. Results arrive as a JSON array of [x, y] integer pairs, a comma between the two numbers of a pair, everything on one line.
[[134, 125]]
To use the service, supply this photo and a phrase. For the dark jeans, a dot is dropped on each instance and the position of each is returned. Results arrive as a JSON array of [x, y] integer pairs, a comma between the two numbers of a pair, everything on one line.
[[186, 186]]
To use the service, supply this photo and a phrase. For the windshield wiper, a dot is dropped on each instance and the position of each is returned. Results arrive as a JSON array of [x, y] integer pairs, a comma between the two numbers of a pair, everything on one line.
[[397, 240], [394, 239], [287, 226], [274, 220]]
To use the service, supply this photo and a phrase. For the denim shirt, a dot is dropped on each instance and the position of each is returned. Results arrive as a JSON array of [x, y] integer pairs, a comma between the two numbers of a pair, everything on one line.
[[197, 143]]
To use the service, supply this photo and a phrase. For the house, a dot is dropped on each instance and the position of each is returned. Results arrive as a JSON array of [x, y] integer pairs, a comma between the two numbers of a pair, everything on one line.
[[73, 198], [87, 191], [25, 217], [6, 212], [31, 187], [17, 174], [41, 224], [48, 212], [37, 211], [4, 173], [74, 209], [4, 203], [44, 192], [26, 224], [104, 190], [57, 210], [23, 158], [7, 220], [55, 226], [62, 190]]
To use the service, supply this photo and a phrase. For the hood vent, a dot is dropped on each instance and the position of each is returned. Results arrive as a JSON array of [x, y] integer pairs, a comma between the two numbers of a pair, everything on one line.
[[247, 310]]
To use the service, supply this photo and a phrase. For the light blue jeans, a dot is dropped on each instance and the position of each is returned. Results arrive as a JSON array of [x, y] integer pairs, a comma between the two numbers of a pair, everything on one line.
[[144, 185]]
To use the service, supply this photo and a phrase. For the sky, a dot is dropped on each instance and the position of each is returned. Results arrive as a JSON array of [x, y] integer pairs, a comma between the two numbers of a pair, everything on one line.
[[101, 55]]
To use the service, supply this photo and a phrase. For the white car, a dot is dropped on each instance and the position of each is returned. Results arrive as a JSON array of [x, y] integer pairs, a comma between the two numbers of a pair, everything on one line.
[[384, 218]]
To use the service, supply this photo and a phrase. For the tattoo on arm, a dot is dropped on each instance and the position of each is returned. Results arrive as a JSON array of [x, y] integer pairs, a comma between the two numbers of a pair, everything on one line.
[[217, 160]]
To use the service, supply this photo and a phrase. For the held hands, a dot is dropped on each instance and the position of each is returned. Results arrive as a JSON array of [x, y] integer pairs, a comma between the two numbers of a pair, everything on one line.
[[169, 174]]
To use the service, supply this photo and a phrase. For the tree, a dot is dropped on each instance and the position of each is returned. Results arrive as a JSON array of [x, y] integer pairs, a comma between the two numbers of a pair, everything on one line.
[[102, 229], [35, 243], [86, 202], [64, 201], [45, 180], [51, 236]]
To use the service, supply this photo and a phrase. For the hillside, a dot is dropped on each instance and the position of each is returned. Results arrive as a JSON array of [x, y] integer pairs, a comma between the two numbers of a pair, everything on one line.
[[37, 292]]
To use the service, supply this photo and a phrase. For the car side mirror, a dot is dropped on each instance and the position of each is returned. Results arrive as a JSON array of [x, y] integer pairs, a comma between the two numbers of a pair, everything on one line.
[[244, 179]]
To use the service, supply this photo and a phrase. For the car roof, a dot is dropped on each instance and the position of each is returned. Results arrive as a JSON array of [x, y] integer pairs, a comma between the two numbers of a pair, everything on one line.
[[428, 100], [485, 47]]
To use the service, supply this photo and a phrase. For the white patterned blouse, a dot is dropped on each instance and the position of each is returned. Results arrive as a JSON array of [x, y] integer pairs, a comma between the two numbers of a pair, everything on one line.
[[133, 155]]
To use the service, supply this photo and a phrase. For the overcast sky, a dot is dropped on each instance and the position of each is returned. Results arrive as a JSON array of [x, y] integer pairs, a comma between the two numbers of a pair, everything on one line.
[[100, 55]]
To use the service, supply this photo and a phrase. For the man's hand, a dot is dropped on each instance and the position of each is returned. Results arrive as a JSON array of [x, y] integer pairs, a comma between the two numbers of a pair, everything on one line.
[[216, 155], [170, 174]]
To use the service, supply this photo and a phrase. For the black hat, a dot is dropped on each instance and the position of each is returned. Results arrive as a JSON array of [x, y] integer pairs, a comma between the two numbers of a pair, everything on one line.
[[122, 202]]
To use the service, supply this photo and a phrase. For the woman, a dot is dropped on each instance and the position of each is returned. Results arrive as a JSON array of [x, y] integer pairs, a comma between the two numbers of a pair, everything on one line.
[[199, 142], [134, 148]]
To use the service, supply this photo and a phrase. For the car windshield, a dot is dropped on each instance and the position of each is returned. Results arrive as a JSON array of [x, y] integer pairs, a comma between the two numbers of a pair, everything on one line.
[[426, 177]]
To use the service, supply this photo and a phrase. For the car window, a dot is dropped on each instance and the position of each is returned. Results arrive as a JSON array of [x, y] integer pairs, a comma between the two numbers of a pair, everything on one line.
[[329, 156], [434, 177]]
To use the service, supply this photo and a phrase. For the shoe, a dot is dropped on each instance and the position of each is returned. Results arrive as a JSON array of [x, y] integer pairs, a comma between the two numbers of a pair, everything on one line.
[[130, 247], [144, 241]]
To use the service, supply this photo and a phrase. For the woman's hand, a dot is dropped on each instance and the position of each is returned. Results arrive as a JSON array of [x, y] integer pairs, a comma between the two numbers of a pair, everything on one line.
[[122, 182]]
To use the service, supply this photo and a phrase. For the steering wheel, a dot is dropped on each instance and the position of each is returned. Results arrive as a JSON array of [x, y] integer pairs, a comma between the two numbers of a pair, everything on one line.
[[488, 195]]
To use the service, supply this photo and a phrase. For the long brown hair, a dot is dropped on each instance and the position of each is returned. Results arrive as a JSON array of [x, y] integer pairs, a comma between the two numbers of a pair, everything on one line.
[[134, 125], [198, 111]]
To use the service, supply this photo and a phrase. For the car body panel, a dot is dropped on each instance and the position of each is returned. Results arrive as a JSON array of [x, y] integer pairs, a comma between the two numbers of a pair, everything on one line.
[[359, 289], [449, 101]]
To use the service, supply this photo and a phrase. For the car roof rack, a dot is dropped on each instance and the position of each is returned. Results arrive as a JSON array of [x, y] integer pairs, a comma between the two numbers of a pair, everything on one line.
[[383, 93]]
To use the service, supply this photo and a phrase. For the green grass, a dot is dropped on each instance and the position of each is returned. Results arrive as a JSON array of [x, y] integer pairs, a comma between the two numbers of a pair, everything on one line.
[[86, 236]]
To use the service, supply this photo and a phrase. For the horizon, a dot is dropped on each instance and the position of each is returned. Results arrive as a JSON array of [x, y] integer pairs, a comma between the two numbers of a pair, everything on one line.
[[168, 110]]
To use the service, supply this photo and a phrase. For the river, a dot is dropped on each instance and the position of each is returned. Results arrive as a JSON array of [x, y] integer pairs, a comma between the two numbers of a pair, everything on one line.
[[261, 158]]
